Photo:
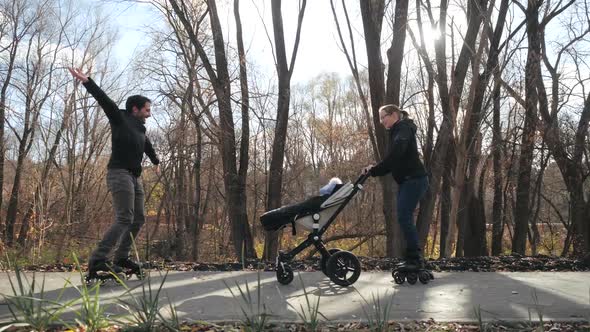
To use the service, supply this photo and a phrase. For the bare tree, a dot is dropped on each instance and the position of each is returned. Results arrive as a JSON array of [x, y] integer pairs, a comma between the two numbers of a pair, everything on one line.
[[498, 205], [20, 17], [569, 161], [34, 83], [284, 73], [372, 13], [474, 226], [449, 102], [533, 66], [69, 107], [245, 107], [353, 65], [220, 79]]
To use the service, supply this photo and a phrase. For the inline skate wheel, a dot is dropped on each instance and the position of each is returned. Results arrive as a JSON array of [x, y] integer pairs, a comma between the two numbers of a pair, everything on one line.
[[412, 278], [140, 274], [88, 280], [424, 277], [398, 277], [119, 278]]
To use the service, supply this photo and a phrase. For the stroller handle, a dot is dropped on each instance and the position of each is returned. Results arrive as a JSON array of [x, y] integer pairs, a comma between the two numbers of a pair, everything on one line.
[[362, 178]]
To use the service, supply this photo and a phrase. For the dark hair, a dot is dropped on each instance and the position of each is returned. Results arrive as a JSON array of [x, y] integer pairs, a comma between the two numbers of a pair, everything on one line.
[[137, 101]]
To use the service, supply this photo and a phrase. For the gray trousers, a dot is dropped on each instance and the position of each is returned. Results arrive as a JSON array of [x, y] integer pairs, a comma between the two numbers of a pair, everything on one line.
[[128, 205]]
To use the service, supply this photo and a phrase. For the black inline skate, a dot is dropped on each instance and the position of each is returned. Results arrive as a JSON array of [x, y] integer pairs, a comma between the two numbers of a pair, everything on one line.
[[131, 267], [412, 269], [101, 270]]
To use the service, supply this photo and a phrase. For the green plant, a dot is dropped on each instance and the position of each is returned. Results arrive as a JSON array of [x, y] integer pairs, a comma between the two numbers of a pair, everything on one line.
[[477, 312], [377, 312], [91, 314], [29, 306], [255, 315], [309, 315], [145, 307], [538, 308], [173, 322]]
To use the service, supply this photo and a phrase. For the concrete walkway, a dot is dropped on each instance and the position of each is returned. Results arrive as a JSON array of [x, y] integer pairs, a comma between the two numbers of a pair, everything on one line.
[[452, 296]]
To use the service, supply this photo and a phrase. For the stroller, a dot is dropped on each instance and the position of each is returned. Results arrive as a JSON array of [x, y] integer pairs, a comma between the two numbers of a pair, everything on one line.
[[315, 215]]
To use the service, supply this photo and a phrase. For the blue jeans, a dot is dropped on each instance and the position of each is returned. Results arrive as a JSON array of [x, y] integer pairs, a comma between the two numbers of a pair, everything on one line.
[[409, 194]]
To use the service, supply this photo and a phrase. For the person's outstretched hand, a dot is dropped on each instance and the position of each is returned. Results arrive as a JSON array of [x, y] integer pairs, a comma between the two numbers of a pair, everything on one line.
[[78, 74], [367, 169]]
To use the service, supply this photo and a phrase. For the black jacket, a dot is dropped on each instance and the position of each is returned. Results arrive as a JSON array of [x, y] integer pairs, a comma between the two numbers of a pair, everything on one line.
[[402, 158], [128, 139]]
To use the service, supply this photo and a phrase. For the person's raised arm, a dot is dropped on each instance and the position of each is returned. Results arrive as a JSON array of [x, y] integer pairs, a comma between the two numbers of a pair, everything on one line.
[[109, 107]]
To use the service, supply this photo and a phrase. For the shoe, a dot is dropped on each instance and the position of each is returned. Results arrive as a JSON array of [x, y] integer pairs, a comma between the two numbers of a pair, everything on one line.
[[96, 265], [413, 260], [127, 263]]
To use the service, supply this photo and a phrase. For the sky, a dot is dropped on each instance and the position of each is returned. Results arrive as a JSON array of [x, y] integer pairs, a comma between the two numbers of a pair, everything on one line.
[[318, 49]]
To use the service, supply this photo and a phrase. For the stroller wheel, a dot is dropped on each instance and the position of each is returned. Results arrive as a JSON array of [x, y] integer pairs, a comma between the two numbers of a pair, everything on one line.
[[324, 260], [284, 274], [343, 268]]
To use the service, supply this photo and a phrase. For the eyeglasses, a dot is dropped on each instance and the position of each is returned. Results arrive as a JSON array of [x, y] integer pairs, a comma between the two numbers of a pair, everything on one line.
[[383, 117]]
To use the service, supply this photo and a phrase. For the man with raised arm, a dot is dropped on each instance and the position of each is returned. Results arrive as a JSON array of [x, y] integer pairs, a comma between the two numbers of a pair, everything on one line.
[[128, 145]]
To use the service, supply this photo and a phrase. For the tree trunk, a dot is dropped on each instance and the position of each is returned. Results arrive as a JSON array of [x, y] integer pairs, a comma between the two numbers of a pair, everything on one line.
[[284, 72], [450, 100], [195, 228], [22, 237], [25, 140], [219, 77], [523, 187], [446, 239], [472, 143], [497, 205], [245, 140], [14, 194], [372, 13], [395, 55], [180, 196], [16, 37], [580, 219], [429, 144], [570, 164], [4, 230], [475, 240]]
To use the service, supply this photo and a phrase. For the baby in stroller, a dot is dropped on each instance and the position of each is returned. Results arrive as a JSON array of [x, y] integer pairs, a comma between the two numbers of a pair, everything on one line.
[[315, 215]]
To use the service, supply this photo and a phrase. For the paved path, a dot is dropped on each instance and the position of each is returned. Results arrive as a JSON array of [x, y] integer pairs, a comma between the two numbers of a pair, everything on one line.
[[452, 296]]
